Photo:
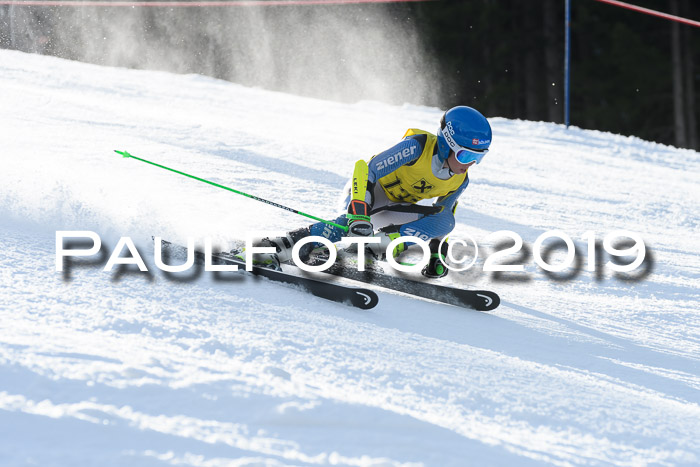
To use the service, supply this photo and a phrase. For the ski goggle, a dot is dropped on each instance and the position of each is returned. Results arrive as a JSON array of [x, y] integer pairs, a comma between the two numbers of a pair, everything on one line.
[[463, 155]]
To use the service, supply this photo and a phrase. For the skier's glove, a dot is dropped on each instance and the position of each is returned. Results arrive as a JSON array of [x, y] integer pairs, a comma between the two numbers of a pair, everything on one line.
[[435, 268], [359, 224]]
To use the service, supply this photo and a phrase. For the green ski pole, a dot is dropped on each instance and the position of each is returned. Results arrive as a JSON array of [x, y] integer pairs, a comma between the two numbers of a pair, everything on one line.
[[342, 227]]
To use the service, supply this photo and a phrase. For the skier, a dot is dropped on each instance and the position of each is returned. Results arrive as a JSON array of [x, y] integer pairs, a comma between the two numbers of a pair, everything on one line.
[[399, 181]]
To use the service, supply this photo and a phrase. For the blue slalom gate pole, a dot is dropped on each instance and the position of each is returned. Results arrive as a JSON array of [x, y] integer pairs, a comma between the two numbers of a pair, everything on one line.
[[567, 60]]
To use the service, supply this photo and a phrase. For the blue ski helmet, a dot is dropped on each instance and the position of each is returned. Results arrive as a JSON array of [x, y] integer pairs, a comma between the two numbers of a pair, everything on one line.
[[466, 129]]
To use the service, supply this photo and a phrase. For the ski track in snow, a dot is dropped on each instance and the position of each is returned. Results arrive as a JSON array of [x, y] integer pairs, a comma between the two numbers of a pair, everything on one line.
[[140, 369]]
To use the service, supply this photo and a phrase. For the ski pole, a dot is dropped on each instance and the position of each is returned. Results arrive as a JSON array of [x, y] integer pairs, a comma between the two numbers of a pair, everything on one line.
[[342, 227]]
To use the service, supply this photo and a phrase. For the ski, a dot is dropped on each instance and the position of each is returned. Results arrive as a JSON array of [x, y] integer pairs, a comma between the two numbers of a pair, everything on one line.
[[355, 296], [480, 300], [318, 283]]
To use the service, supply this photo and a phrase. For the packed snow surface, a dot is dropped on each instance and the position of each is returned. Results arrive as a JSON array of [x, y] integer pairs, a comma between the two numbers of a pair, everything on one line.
[[129, 368]]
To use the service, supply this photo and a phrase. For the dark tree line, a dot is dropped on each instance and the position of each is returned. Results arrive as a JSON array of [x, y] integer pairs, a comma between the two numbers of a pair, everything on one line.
[[630, 73]]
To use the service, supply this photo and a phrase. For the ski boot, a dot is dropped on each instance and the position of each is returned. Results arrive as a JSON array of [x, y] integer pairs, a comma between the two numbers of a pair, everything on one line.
[[436, 268], [283, 245], [373, 253], [386, 236]]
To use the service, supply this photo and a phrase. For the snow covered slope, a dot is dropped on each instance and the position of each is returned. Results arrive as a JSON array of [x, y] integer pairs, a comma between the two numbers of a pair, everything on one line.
[[139, 369]]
